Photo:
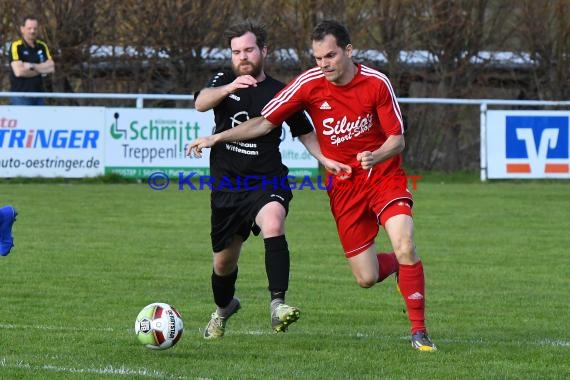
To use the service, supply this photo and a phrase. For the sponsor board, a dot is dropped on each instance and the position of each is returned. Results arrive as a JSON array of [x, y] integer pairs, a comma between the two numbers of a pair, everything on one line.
[[51, 141], [528, 144], [142, 141], [139, 141], [77, 142]]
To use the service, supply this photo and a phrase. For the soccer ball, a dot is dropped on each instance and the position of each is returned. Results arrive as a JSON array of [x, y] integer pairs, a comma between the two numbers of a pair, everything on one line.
[[159, 326]]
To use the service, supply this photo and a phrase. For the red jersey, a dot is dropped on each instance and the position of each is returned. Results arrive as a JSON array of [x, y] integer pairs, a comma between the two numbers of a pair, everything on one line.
[[349, 119]]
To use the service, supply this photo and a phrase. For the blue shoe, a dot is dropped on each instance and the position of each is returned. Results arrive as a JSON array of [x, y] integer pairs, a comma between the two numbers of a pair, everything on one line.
[[7, 218]]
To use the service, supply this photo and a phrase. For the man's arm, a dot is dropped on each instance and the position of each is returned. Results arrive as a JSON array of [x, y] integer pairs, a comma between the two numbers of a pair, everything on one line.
[[23, 69], [210, 97], [47, 67], [310, 142], [258, 126], [28, 70]]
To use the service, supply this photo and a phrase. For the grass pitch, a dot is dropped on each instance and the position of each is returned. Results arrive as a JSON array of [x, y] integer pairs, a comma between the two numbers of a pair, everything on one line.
[[88, 257]]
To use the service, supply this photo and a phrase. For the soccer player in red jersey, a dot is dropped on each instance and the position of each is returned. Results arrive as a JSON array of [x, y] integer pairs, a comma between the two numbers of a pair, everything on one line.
[[359, 132]]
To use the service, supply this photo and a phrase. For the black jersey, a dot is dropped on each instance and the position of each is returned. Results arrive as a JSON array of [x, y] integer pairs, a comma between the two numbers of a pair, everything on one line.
[[21, 51], [257, 159]]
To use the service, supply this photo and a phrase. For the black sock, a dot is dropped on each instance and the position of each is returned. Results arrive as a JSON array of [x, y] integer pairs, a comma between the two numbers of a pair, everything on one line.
[[224, 288], [277, 263]]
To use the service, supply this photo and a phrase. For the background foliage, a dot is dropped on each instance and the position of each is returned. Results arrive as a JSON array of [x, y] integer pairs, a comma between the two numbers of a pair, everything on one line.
[[173, 46]]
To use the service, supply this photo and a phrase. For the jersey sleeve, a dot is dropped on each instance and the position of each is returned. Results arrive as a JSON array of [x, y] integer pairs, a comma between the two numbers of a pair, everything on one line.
[[388, 109], [43, 46], [284, 105], [299, 124], [15, 52]]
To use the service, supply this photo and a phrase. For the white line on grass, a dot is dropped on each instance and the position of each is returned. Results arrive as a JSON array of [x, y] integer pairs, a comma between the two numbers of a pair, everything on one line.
[[107, 370], [542, 342], [550, 342], [480, 341], [56, 328]]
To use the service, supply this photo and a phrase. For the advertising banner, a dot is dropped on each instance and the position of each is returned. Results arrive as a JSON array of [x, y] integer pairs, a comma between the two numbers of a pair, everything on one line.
[[140, 142], [528, 144], [51, 141], [76, 142]]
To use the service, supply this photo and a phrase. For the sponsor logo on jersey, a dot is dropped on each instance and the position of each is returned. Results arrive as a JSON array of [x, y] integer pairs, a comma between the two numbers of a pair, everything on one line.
[[250, 149], [325, 106], [343, 130], [239, 117], [537, 144]]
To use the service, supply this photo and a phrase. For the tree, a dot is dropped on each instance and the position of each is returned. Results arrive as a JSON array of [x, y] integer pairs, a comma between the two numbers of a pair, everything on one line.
[[172, 47], [453, 33], [544, 34]]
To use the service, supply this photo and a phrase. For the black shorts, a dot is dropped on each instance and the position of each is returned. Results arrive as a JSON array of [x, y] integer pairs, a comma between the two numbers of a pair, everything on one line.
[[233, 213]]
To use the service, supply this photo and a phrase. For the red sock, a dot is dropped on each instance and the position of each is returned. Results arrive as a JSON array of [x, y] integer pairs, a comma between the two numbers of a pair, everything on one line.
[[388, 265], [412, 285]]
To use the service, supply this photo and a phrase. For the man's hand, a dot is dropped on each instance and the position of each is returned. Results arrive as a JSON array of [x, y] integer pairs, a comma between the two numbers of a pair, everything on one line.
[[210, 97], [243, 81], [337, 168], [393, 145], [366, 160], [196, 146]]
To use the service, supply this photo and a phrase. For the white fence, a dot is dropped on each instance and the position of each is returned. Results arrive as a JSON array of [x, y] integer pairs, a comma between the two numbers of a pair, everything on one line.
[[556, 138], [487, 133], [138, 99]]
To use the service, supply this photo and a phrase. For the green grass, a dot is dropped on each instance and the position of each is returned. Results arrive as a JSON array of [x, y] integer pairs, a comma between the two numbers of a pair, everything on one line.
[[89, 256]]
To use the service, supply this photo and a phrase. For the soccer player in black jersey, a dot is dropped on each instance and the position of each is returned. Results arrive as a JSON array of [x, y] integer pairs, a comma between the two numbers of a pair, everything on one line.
[[262, 204]]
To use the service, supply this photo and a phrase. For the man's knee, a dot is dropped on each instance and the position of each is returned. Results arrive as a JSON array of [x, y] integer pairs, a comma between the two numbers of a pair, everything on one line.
[[365, 280], [224, 267], [273, 226], [405, 251]]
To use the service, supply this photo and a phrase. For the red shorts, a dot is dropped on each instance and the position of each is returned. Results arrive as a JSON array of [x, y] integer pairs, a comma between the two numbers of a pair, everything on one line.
[[360, 205]]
